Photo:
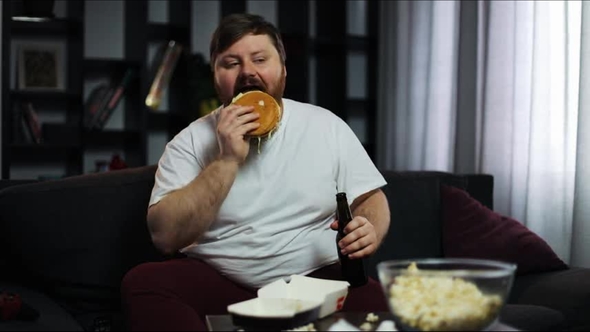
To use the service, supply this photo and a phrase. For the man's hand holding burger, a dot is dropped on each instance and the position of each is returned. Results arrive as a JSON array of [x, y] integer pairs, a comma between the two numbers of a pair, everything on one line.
[[234, 123]]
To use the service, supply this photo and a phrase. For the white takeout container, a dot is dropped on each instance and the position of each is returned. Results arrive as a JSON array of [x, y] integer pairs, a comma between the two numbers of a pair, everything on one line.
[[283, 304]]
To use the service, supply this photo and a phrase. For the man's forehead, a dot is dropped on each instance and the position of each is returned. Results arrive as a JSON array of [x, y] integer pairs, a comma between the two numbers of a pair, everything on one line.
[[250, 43]]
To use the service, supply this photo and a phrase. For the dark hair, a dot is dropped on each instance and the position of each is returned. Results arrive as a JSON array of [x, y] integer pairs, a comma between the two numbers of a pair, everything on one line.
[[235, 26]]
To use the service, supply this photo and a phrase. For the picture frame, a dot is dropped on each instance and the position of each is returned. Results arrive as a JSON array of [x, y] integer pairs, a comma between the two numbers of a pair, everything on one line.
[[41, 67]]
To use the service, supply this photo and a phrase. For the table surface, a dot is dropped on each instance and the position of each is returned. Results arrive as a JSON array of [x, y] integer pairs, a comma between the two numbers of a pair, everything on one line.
[[224, 322]]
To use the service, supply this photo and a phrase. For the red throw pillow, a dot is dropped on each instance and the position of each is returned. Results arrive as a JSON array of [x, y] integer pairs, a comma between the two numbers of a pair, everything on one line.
[[471, 230]]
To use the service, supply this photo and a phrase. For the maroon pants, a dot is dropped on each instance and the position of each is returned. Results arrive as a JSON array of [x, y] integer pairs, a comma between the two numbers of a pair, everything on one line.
[[178, 293]]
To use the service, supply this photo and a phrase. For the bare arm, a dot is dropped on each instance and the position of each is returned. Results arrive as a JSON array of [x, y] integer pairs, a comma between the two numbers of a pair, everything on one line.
[[181, 217], [375, 208]]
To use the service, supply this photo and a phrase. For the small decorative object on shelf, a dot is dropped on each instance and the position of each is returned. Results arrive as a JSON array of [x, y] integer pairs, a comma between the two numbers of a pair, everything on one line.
[[117, 163], [101, 166], [162, 78], [103, 101], [40, 67]]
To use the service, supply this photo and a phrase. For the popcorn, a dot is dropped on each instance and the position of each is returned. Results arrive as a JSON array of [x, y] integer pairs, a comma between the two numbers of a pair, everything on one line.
[[372, 318], [441, 303], [366, 326]]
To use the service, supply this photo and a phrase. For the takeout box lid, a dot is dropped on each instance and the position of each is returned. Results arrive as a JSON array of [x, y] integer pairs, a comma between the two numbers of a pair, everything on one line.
[[287, 304], [273, 313], [330, 293]]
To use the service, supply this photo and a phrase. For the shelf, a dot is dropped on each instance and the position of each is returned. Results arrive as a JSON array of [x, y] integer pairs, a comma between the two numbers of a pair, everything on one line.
[[300, 43], [43, 153], [349, 43], [102, 66], [96, 139], [297, 44], [158, 120], [36, 152], [165, 32], [66, 96], [166, 120], [72, 143], [46, 27], [32, 147], [93, 139]]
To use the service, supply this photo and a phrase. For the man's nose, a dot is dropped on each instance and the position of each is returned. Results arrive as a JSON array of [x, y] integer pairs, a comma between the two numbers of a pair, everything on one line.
[[248, 69]]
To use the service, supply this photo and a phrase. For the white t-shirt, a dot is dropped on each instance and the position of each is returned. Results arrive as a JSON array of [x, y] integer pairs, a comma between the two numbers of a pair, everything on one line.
[[275, 220]]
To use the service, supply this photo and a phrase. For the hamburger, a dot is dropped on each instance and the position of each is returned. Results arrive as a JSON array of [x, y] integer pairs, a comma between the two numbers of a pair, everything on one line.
[[265, 105]]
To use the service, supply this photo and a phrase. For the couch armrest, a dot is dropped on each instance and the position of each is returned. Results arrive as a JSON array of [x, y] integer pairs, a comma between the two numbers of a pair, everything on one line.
[[567, 291]]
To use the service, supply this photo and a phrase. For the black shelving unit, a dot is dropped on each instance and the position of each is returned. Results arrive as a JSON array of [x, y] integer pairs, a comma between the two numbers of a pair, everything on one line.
[[49, 27], [330, 47], [16, 26], [139, 34], [165, 32], [138, 121]]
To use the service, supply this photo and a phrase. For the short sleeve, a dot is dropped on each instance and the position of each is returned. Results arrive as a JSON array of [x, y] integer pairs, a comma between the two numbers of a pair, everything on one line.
[[180, 163], [356, 172]]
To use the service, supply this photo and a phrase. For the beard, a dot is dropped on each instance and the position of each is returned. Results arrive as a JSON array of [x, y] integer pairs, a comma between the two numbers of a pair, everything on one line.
[[244, 84]]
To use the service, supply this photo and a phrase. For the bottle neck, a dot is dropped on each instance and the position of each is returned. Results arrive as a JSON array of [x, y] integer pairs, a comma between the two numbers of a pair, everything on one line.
[[343, 213]]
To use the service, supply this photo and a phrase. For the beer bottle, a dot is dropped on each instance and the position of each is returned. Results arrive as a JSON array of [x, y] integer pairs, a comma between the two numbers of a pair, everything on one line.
[[353, 270]]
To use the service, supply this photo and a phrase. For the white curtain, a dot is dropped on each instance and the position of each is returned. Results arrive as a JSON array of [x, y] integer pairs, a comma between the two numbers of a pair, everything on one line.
[[497, 87]]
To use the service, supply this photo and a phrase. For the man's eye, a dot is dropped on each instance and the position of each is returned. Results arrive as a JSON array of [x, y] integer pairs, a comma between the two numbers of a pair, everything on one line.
[[231, 64], [259, 60]]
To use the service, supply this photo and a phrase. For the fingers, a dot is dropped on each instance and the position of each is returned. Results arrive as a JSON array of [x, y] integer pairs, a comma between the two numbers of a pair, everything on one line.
[[360, 239], [245, 128], [366, 251], [237, 114], [238, 120], [334, 225]]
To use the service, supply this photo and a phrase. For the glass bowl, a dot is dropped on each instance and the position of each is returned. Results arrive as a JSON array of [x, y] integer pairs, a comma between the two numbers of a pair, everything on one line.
[[445, 294]]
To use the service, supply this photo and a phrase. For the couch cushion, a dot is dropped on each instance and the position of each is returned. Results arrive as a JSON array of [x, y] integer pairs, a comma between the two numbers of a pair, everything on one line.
[[75, 238], [415, 227], [532, 317], [472, 230], [567, 291]]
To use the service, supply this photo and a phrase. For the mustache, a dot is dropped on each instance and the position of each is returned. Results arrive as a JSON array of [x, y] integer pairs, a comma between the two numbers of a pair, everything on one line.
[[248, 84]]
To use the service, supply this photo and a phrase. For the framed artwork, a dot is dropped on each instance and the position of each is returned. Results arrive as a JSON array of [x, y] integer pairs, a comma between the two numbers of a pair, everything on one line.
[[40, 67]]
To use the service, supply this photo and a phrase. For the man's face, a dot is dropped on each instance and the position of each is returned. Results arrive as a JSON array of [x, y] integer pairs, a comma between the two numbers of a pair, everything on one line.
[[250, 63]]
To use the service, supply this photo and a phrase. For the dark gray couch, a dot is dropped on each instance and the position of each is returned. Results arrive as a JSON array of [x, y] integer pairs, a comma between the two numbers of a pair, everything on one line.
[[66, 244]]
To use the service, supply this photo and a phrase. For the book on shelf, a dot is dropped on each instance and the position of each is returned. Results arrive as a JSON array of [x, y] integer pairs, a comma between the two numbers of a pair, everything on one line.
[[95, 102], [165, 62], [22, 132], [114, 97], [103, 101], [28, 123]]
